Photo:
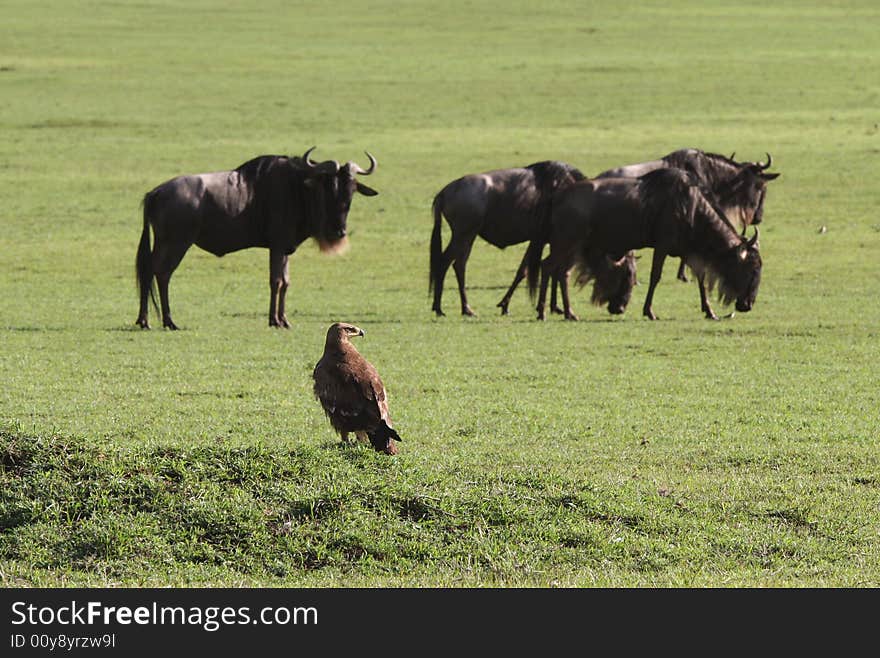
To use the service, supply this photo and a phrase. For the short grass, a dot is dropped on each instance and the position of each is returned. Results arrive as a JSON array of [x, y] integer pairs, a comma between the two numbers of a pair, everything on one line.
[[608, 452]]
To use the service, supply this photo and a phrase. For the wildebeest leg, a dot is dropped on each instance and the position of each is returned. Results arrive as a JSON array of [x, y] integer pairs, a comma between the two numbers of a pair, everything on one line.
[[682, 273], [459, 266], [656, 273], [438, 283], [166, 258], [457, 251], [517, 279], [279, 280], [554, 307], [142, 320], [542, 294], [562, 279], [704, 298]]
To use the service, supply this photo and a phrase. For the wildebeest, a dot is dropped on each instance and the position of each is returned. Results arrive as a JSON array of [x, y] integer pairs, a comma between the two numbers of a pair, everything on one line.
[[503, 206], [736, 188], [664, 209], [271, 201]]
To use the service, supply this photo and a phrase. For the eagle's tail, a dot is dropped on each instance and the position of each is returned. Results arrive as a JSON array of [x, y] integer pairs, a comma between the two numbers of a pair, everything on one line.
[[383, 438]]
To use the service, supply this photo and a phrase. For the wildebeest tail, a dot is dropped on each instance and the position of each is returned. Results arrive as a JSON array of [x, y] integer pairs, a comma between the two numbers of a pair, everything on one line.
[[436, 242], [380, 438], [533, 264], [144, 261]]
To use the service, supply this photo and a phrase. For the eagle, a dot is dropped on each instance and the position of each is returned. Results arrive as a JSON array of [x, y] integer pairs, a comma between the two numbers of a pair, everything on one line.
[[351, 392]]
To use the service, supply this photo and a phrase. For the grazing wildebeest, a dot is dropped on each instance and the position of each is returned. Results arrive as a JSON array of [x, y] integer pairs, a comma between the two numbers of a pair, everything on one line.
[[613, 280], [664, 209], [272, 201], [736, 188], [503, 206]]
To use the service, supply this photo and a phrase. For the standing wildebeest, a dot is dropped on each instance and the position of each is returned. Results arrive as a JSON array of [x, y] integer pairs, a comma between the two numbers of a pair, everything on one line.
[[736, 188], [272, 201], [664, 209], [504, 207]]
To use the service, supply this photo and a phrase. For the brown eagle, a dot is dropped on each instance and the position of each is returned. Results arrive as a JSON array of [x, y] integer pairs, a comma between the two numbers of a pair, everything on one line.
[[351, 391]]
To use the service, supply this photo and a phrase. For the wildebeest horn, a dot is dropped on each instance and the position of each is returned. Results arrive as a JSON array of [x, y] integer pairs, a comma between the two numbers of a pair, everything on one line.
[[762, 167], [754, 239], [308, 160], [357, 169], [732, 155]]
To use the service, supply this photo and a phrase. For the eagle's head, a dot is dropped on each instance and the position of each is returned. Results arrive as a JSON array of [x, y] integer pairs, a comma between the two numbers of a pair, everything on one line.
[[340, 332]]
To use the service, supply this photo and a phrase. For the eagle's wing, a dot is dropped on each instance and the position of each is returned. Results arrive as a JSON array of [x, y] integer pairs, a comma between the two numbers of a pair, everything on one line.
[[381, 398], [345, 389], [373, 388]]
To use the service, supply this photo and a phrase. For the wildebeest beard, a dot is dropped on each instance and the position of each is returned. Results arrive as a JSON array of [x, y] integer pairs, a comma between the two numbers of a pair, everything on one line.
[[327, 223]]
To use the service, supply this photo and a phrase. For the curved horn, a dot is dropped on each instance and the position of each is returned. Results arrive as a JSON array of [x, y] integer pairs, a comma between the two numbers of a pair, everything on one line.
[[318, 168], [754, 239], [732, 155], [357, 169], [762, 167], [307, 160]]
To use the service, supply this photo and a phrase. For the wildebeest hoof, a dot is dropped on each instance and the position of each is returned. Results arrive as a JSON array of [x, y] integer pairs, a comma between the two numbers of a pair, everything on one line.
[[503, 306], [439, 313], [143, 323], [683, 277], [711, 316], [170, 325], [572, 317], [468, 311]]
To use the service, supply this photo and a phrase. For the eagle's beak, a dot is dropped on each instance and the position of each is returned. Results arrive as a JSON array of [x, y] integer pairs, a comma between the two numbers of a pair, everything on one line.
[[362, 333]]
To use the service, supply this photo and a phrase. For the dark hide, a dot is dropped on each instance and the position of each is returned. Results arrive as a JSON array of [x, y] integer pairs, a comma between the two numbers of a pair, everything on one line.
[[504, 207], [664, 209], [736, 188], [274, 202]]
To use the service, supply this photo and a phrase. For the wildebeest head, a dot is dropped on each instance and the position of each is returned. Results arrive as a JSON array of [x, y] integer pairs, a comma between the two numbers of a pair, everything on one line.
[[334, 186], [613, 279], [742, 274], [745, 195], [737, 187]]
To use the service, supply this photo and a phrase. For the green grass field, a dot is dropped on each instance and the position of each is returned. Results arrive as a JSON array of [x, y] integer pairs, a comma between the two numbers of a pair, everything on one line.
[[609, 452]]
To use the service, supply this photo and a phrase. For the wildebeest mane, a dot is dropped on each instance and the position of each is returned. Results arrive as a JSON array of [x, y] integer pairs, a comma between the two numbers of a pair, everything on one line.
[[711, 171], [255, 169], [665, 193], [550, 176]]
